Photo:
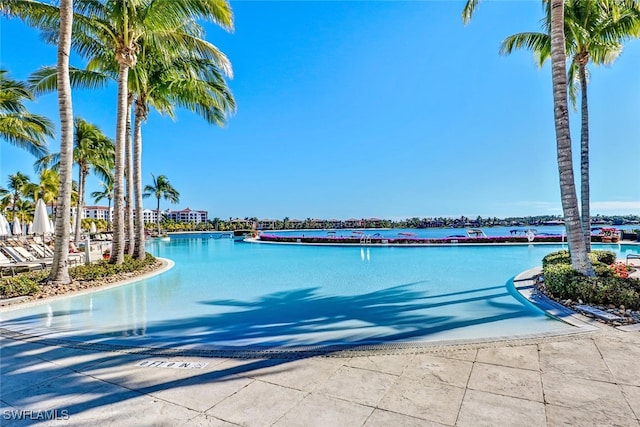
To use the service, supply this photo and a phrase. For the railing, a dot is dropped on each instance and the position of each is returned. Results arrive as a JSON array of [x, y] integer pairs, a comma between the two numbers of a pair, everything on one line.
[[632, 256]]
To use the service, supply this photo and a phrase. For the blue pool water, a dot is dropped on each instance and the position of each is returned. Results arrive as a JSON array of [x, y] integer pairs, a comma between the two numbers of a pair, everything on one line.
[[222, 294]]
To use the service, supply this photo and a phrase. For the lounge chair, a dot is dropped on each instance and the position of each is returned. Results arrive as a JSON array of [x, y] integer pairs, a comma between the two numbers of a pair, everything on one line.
[[23, 257], [9, 263]]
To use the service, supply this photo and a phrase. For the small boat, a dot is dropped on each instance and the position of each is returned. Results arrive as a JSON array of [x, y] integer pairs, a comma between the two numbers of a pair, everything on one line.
[[240, 235], [476, 233], [407, 234]]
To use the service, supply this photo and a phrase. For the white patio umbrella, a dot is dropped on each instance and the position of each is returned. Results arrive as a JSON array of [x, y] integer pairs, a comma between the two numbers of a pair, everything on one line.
[[93, 229], [4, 226], [41, 223], [30, 228], [17, 227]]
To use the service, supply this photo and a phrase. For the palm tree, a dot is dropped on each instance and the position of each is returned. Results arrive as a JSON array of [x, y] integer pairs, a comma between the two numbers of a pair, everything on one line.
[[92, 150], [17, 126], [577, 246], [579, 256], [594, 31], [161, 188], [17, 186], [58, 21], [5, 198], [106, 193], [47, 189], [129, 24], [115, 30], [183, 79], [60, 270]]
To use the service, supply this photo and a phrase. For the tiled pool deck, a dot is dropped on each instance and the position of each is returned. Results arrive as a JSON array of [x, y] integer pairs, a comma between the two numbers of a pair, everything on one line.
[[586, 379], [579, 380]]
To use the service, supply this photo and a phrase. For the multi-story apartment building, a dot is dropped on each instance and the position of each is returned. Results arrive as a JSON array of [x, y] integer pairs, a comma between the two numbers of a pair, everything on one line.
[[148, 215], [187, 215]]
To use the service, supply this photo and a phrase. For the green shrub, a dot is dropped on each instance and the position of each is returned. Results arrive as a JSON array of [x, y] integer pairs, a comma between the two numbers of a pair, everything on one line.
[[558, 279], [558, 257], [22, 284], [30, 283], [563, 282], [605, 257], [607, 290], [602, 270], [103, 268]]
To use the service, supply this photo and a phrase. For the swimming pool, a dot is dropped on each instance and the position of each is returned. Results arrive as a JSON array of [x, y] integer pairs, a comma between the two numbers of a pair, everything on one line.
[[226, 295]]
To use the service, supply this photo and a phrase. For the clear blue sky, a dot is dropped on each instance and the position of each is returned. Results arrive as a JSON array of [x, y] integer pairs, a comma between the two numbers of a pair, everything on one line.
[[372, 109]]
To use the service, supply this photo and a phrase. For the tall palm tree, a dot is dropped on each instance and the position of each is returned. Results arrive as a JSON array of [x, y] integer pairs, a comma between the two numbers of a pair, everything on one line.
[[59, 20], [128, 177], [130, 24], [17, 126], [106, 193], [116, 30], [182, 79], [60, 269], [577, 247], [161, 188], [594, 32]]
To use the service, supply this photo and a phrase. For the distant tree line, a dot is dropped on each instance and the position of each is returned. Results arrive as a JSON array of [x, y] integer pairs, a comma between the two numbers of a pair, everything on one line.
[[218, 224]]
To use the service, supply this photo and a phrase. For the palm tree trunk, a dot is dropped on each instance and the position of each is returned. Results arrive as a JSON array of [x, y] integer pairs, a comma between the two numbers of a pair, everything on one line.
[[140, 252], [109, 216], [158, 216], [584, 159], [60, 271], [129, 179], [579, 258], [117, 250], [79, 205]]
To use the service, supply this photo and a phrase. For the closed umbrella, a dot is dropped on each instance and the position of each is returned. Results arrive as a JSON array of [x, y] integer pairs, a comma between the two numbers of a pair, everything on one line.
[[30, 228], [4, 226], [41, 223], [17, 227]]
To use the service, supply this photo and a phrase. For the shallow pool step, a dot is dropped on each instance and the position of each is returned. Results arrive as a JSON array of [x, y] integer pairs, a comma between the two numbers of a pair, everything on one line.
[[598, 313]]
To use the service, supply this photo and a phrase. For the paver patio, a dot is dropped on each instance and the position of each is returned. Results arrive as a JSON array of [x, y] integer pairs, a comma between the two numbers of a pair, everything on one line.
[[587, 379]]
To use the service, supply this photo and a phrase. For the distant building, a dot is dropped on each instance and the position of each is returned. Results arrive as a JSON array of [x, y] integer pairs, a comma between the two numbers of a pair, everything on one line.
[[267, 224], [352, 223], [187, 215], [98, 212], [148, 215]]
